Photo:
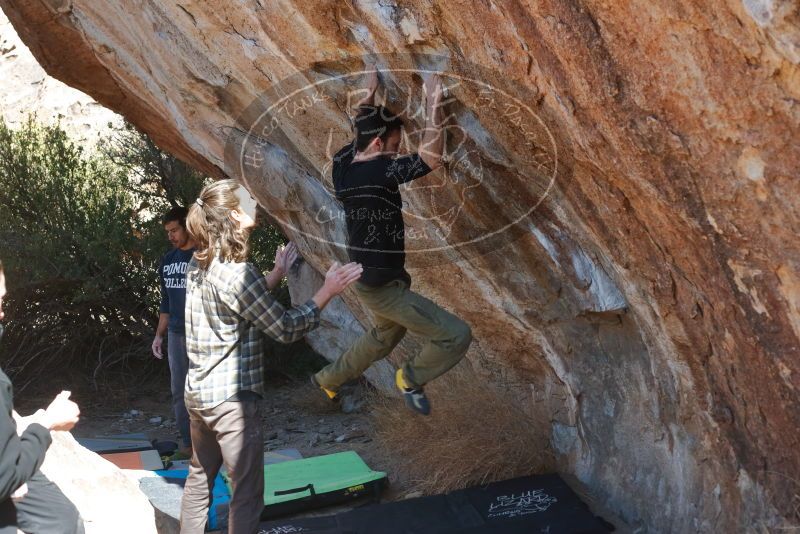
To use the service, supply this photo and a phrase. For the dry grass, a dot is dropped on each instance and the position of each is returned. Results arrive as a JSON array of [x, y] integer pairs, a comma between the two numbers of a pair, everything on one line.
[[475, 434], [789, 504], [309, 399]]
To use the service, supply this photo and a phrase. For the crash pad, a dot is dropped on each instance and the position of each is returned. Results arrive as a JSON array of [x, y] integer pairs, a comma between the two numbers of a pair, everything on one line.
[[282, 455], [165, 490], [147, 460], [112, 444], [524, 505], [319, 481]]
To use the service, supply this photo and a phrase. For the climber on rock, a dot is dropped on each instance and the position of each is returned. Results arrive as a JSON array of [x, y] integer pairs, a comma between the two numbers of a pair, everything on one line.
[[367, 174]]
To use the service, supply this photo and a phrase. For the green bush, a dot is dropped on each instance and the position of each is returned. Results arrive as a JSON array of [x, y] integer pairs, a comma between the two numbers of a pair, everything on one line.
[[159, 180], [78, 255], [81, 238], [162, 181]]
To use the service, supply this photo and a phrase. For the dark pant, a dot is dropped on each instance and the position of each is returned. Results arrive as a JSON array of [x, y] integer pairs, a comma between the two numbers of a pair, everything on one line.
[[44, 510], [228, 434], [178, 367]]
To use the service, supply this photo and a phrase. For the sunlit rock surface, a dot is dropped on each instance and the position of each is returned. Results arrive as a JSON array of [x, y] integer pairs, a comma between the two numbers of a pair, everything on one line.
[[618, 220], [107, 499], [27, 89]]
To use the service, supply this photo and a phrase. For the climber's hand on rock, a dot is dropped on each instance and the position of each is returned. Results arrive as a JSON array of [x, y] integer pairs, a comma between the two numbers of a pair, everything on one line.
[[432, 145], [372, 78], [371, 86], [434, 91]]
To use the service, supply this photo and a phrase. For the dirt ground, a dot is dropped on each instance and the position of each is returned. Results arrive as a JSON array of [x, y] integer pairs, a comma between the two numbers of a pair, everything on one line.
[[294, 416]]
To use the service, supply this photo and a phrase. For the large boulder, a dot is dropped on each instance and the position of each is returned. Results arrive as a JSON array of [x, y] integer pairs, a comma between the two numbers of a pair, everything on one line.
[[618, 222], [107, 499]]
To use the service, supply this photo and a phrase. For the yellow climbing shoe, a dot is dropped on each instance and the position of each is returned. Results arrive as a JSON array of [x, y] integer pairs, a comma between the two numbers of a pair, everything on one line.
[[400, 380], [415, 398], [332, 395]]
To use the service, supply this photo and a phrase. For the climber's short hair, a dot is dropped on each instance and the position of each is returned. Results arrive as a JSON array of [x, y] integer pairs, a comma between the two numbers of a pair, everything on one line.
[[372, 122]]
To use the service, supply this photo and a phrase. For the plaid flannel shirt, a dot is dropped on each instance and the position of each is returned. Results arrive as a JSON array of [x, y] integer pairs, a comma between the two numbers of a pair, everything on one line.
[[228, 307]]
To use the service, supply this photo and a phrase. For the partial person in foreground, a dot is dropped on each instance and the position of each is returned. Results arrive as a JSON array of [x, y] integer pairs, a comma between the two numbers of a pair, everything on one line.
[[28, 500], [172, 278], [367, 175], [228, 309]]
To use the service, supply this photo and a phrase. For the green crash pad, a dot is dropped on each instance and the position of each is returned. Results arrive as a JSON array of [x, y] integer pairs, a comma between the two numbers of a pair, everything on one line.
[[298, 485]]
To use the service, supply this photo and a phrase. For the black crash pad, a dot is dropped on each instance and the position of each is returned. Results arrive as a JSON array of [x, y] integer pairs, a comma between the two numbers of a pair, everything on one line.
[[519, 506]]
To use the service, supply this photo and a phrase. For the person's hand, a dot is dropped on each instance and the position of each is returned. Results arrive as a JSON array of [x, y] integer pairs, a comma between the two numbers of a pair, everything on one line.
[[19, 493], [434, 91], [284, 259], [372, 78], [158, 343], [339, 277], [371, 86], [62, 414]]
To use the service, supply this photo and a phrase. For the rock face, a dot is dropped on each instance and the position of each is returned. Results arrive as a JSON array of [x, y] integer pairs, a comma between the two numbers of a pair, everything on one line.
[[27, 88], [618, 220]]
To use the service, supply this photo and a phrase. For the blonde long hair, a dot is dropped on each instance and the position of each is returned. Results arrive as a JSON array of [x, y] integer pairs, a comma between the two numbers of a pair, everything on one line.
[[211, 227]]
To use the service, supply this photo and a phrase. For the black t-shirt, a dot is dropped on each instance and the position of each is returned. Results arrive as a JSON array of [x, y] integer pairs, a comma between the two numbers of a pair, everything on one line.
[[369, 191]]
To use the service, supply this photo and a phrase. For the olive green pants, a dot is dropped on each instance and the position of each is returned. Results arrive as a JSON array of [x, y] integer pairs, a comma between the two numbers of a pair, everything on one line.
[[397, 310]]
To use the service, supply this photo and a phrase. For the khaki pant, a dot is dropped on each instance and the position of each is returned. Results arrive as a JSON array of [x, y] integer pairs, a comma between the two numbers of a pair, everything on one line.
[[396, 310], [228, 434]]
